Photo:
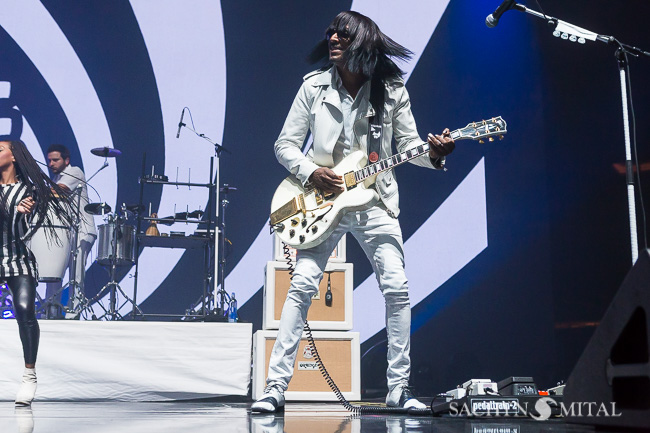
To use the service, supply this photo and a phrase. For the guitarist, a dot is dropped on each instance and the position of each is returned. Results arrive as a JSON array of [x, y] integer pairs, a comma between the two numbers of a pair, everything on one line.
[[358, 87]]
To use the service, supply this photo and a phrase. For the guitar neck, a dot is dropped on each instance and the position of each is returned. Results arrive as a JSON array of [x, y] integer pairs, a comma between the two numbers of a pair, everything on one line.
[[400, 158]]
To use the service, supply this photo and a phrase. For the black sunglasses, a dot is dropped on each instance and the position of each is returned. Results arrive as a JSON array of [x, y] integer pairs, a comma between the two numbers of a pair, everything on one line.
[[342, 34]]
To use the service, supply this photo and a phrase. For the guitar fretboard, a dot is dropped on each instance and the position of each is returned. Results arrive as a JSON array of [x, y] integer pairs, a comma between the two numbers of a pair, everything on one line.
[[395, 160]]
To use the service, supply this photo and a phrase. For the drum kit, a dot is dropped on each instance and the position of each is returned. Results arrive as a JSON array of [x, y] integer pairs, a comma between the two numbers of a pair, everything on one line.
[[117, 241], [116, 247]]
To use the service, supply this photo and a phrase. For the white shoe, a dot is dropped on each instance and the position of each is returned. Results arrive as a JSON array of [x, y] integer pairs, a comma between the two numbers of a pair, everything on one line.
[[27, 389], [402, 396], [271, 401]]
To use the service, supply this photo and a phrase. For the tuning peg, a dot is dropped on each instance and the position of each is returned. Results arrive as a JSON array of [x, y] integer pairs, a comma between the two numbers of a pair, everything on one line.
[[481, 141], [491, 138], [500, 137]]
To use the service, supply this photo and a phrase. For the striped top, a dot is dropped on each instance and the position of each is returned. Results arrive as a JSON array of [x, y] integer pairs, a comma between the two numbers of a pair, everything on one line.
[[15, 257]]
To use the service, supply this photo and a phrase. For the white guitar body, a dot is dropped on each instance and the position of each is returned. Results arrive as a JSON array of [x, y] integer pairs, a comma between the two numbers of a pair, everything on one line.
[[330, 210], [304, 217]]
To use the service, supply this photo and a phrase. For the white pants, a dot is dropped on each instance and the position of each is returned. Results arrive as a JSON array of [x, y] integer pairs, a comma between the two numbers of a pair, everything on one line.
[[380, 236], [77, 275]]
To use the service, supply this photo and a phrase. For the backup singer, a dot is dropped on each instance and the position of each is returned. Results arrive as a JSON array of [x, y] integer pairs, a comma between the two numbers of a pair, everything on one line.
[[335, 103], [72, 180], [25, 190]]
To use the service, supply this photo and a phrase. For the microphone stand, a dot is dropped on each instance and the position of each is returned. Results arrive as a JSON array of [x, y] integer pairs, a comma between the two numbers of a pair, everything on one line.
[[573, 33], [218, 311]]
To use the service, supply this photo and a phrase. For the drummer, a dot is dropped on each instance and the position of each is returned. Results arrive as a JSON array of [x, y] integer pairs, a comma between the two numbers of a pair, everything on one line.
[[72, 179]]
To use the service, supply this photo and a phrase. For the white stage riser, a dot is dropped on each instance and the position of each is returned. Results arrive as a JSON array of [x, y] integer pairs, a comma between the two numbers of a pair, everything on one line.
[[130, 361]]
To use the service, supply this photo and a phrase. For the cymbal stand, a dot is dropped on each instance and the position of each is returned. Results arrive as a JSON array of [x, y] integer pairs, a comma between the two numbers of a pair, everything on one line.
[[72, 285]]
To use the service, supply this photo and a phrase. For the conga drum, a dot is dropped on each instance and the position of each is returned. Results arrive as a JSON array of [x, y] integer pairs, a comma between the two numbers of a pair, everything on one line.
[[52, 254]]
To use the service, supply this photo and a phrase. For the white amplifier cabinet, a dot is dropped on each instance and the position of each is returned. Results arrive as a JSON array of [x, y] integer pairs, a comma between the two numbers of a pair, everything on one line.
[[339, 351], [334, 317], [338, 255]]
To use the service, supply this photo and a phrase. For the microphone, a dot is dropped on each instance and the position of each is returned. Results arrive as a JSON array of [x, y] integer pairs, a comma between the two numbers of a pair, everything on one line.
[[493, 19], [180, 124]]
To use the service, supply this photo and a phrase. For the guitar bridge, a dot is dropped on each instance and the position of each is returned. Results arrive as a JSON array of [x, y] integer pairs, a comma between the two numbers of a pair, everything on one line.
[[291, 208]]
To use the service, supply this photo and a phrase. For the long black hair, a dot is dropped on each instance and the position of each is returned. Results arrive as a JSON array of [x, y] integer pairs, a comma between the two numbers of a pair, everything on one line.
[[47, 195], [370, 50]]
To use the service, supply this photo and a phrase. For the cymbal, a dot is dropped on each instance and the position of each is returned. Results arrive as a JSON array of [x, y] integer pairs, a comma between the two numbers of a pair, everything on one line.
[[106, 152], [135, 207], [97, 208]]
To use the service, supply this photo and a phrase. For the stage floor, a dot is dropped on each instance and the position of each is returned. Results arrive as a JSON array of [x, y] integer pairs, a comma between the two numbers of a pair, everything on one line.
[[72, 417]]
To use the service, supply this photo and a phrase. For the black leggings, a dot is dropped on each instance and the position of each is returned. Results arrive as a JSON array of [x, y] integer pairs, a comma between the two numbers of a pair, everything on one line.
[[23, 292]]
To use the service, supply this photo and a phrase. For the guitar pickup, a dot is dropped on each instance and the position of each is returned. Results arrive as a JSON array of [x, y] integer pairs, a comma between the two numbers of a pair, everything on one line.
[[289, 209], [350, 181], [318, 195]]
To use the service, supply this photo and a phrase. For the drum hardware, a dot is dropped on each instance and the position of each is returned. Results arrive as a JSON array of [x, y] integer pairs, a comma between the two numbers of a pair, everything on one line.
[[210, 298], [51, 306], [108, 248], [154, 178], [98, 208], [116, 248], [222, 297], [135, 208], [206, 222], [78, 301]]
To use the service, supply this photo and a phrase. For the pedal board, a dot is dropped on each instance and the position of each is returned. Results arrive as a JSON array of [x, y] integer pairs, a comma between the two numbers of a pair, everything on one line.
[[501, 406], [514, 396]]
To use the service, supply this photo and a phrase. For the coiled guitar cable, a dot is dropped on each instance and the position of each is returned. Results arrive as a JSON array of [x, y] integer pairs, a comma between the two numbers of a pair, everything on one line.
[[356, 409]]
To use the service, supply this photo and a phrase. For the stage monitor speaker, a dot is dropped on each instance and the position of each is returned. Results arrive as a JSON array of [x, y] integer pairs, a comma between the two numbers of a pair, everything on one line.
[[614, 370]]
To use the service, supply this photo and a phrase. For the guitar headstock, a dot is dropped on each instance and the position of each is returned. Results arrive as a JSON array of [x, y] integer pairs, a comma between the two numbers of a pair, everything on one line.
[[495, 126]]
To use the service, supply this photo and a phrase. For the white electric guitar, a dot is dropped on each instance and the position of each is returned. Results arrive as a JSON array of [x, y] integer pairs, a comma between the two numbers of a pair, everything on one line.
[[304, 216]]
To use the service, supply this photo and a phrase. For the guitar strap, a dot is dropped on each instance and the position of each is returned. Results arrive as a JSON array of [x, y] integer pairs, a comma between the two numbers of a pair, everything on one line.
[[375, 123]]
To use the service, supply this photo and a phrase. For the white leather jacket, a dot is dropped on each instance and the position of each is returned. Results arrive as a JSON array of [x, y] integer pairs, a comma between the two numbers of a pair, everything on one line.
[[317, 107]]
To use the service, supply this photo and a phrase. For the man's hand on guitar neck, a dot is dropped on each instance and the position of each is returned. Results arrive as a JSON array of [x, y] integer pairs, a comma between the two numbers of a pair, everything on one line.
[[328, 181], [440, 145]]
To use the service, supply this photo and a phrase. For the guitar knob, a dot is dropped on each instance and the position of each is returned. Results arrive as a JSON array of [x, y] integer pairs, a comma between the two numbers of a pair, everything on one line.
[[302, 238], [279, 227], [292, 233], [314, 229], [294, 222], [491, 139], [304, 222], [481, 141]]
